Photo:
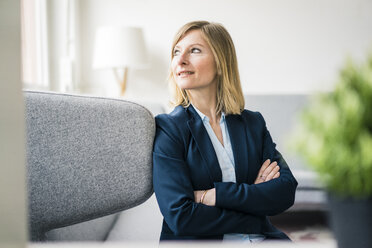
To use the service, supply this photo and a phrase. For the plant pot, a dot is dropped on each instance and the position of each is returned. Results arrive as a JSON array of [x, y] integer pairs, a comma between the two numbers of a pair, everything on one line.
[[351, 221]]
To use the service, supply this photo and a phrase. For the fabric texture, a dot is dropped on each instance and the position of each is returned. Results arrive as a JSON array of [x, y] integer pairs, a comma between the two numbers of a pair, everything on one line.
[[93, 230], [87, 157]]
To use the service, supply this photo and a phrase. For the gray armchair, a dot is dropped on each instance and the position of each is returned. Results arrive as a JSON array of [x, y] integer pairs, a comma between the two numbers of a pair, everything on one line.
[[87, 157]]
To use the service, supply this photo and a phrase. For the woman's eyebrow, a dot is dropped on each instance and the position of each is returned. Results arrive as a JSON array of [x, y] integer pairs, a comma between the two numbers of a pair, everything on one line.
[[199, 44]]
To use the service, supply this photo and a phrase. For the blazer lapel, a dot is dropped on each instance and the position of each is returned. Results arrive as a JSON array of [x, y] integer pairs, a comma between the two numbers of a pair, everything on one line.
[[204, 145], [238, 137]]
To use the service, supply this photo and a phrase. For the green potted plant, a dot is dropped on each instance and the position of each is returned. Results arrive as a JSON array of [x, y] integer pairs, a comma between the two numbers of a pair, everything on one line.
[[334, 137]]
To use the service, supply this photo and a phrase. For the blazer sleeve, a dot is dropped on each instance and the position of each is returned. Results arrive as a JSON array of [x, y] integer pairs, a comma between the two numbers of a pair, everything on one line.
[[175, 194], [268, 198]]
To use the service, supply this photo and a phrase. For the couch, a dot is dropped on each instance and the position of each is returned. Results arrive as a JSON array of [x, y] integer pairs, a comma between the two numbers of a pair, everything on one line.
[[87, 157], [141, 218]]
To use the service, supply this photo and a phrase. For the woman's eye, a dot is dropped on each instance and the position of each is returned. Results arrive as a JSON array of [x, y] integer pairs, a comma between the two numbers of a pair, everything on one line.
[[195, 50], [176, 52]]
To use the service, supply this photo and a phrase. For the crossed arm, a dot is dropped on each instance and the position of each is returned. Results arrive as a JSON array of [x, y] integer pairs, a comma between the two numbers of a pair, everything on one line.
[[227, 207], [175, 196], [271, 193], [174, 192], [268, 171]]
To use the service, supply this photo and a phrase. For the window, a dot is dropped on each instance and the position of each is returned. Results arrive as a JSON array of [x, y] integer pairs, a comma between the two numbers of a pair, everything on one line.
[[34, 44], [48, 44]]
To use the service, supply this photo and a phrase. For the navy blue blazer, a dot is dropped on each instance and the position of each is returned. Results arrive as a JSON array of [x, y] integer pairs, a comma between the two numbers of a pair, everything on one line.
[[184, 160]]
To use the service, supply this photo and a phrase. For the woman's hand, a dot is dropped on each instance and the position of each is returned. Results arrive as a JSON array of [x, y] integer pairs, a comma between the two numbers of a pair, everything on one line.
[[267, 172], [209, 197]]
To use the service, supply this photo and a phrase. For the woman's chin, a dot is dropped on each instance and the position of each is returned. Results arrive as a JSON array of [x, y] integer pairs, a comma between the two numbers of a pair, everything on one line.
[[186, 86]]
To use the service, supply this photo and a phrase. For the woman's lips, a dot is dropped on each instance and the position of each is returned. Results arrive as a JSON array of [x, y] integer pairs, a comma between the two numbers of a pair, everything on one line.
[[185, 73]]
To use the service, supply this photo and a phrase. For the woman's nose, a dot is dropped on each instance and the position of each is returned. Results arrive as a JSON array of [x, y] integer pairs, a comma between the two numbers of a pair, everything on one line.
[[183, 59]]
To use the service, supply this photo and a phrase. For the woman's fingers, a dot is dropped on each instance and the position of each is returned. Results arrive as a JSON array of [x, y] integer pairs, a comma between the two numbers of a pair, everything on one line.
[[260, 177], [264, 166], [273, 172], [268, 171], [277, 175]]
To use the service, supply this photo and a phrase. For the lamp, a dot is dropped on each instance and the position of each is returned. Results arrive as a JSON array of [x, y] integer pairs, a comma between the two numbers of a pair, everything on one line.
[[119, 48]]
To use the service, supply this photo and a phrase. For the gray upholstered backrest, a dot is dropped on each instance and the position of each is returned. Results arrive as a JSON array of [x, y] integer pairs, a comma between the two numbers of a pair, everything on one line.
[[87, 157]]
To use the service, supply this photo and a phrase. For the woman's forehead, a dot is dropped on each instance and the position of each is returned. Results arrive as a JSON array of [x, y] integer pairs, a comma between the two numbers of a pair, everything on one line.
[[191, 37]]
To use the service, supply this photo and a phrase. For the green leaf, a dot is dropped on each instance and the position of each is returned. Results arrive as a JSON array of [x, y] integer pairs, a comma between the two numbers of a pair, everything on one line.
[[334, 135]]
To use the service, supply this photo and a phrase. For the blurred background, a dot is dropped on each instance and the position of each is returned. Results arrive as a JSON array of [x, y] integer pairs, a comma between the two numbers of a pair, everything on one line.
[[287, 46]]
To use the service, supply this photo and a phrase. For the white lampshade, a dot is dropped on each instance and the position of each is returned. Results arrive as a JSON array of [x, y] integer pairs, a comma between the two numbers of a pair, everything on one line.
[[119, 47]]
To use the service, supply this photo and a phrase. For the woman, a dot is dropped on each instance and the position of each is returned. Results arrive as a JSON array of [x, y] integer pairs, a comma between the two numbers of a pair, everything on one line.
[[217, 174]]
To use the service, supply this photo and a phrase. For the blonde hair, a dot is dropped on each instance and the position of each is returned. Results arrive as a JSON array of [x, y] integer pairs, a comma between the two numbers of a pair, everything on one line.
[[230, 99]]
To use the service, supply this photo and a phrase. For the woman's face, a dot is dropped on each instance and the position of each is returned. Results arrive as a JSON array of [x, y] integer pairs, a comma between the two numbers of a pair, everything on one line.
[[193, 64]]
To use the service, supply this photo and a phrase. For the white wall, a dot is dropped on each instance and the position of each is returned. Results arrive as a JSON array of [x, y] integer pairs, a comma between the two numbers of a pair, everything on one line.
[[12, 130], [286, 46]]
